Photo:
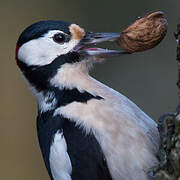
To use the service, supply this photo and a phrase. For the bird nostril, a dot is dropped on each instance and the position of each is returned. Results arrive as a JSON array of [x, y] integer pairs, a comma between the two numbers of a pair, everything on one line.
[[77, 32]]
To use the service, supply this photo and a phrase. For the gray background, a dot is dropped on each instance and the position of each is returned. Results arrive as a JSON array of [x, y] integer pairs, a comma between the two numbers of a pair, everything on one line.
[[147, 78]]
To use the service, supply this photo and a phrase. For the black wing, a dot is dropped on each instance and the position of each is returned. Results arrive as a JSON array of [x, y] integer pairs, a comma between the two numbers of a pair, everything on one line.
[[87, 159]]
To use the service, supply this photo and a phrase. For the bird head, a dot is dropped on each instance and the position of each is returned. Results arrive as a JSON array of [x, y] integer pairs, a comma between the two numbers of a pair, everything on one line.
[[47, 47]]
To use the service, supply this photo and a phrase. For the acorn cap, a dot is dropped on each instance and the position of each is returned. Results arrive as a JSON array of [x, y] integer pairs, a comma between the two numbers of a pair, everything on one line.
[[145, 33]]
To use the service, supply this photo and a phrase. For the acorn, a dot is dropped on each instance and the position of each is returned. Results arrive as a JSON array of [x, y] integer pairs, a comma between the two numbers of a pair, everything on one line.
[[145, 33]]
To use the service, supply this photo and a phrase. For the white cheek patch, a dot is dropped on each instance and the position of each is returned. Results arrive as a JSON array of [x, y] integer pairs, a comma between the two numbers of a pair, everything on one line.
[[60, 163], [44, 50]]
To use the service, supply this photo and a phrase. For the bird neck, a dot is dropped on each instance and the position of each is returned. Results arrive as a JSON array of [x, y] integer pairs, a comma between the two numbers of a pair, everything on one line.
[[55, 85], [71, 83], [76, 75]]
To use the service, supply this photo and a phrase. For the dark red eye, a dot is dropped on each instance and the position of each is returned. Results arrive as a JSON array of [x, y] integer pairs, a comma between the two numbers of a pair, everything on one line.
[[59, 38]]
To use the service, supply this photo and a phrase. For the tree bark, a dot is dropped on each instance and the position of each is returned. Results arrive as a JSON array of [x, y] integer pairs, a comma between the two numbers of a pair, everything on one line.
[[177, 36], [169, 128]]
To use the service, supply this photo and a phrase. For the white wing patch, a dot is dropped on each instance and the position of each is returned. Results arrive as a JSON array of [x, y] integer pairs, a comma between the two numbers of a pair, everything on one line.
[[59, 159]]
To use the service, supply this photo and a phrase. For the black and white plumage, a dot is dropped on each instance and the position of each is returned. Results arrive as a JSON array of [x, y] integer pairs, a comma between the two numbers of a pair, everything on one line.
[[86, 130]]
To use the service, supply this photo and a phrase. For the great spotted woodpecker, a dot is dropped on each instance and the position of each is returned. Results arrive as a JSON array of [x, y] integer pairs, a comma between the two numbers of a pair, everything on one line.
[[86, 130]]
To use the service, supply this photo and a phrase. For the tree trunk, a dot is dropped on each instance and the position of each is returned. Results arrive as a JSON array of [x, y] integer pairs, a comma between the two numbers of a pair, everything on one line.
[[169, 128]]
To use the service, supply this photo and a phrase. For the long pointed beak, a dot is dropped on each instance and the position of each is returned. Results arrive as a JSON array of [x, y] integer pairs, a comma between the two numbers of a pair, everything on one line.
[[91, 38], [95, 38]]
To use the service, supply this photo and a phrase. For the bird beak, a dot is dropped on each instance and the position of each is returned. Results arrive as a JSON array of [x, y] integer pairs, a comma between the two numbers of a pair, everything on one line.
[[84, 46]]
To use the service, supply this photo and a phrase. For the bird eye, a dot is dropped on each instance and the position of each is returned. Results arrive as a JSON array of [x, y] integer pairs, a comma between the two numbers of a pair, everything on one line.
[[59, 38]]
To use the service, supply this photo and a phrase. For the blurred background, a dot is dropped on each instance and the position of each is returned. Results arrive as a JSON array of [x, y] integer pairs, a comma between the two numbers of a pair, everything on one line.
[[148, 78]]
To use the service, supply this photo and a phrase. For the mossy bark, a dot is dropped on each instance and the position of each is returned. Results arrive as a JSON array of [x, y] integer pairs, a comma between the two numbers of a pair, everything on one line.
[[169, 128]]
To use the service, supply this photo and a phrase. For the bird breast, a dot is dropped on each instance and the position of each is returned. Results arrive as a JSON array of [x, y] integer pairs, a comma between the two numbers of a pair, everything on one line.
[[127, 136]]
